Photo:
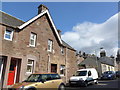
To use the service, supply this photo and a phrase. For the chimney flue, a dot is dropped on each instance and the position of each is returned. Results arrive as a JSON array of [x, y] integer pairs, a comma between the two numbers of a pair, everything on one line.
[[42, 8]]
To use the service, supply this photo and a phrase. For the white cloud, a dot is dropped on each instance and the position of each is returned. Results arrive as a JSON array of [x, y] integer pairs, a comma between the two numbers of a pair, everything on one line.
[[88, 36]]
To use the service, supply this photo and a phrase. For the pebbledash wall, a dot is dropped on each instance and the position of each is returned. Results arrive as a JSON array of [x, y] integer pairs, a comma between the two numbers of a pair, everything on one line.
[[19, 51]]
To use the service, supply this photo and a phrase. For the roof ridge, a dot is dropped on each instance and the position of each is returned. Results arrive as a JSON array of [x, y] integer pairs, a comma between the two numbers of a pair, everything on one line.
[[68, 45], [12, 16]]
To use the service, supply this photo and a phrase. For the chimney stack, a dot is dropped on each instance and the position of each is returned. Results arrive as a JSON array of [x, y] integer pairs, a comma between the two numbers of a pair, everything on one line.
[[42, 8], [103, 53]]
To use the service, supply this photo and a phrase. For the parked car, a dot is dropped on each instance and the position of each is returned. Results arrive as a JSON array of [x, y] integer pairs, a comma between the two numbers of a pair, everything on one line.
[[41, 80], [118, 74], [84, 77], [108, 75]]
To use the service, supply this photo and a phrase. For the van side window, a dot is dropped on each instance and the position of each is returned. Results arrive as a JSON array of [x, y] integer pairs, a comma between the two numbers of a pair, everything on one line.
[[89, 73]]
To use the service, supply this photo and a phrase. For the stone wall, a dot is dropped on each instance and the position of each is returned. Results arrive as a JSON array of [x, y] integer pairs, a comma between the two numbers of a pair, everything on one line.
[[19, 48]]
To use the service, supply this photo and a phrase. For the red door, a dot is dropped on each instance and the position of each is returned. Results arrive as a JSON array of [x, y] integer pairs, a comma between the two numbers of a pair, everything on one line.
[[12, 71]]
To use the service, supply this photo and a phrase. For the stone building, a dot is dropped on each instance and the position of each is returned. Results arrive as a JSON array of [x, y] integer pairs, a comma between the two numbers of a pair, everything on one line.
[[101, 64], [31, 47]]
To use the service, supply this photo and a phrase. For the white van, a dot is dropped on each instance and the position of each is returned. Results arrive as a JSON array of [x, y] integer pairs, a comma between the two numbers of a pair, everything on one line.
[[84, 77]]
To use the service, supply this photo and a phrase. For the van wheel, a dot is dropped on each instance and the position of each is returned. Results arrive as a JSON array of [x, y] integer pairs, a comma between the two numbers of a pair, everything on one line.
[[62, 87], [85, 84], [96, 82]]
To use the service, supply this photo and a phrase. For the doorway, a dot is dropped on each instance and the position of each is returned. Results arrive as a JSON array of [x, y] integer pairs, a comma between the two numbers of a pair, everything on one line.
[[14, 71]]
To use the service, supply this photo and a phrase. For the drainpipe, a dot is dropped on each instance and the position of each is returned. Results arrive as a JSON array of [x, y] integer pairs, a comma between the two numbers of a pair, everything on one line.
[[66, 64], [48, 66]]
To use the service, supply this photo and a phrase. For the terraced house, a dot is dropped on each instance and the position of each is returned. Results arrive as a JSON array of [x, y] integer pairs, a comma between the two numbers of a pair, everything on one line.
[[31, 47]]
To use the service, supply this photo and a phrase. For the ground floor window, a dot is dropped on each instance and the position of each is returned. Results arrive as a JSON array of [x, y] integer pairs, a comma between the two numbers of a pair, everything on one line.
[[62, 70], [54, 68], [30, 66]]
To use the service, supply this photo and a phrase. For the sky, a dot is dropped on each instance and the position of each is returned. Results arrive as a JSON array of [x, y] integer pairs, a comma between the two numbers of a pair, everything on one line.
[[86, 26]]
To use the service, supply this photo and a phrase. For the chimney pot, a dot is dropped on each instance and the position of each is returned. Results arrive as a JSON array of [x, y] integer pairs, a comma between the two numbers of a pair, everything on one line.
[[42, 8]]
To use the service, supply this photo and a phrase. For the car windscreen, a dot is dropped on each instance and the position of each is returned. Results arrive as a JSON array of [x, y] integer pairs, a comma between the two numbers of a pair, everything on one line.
[[109, 72], [81, 73], [33, 78], [117, 72]]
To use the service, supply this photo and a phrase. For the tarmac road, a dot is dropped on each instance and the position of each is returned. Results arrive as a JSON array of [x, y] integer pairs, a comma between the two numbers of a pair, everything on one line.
[[103, 84]]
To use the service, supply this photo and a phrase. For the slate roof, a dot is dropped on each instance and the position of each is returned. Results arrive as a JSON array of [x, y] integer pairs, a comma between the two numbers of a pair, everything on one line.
[[107, 60], [15, 22], [10, 20], [104, 60], [90, 61], [67, 45]]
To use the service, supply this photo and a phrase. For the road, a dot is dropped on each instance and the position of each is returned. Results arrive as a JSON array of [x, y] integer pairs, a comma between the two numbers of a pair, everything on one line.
[[112, 84]]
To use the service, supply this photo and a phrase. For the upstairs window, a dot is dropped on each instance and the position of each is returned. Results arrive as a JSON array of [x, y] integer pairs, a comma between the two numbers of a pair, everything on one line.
[[50, 44], [8, 35], [32, 39]]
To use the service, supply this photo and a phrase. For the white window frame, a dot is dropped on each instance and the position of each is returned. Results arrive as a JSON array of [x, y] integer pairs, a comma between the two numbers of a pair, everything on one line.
[[51, 45], [61, 68], [11, 35], [30, 65], [34, 39]]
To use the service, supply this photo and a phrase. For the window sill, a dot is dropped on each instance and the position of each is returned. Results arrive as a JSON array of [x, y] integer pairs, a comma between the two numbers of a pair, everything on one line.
[[49, 51], [31, 46], [8, 39], [62, 75], [28, 73]]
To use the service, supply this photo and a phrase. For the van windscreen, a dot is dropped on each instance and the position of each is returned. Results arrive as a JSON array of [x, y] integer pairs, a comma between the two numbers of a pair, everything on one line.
[[81, 73]]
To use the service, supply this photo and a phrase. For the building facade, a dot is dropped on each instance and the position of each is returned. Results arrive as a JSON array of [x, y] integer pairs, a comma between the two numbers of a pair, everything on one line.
[[32, 47], [101, 64]]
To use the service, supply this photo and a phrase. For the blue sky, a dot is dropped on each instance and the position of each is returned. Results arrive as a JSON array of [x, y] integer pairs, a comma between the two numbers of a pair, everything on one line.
[[86, 26], [65, 15]]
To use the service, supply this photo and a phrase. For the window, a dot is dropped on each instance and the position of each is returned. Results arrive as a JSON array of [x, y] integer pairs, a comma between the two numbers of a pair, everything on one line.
[[50, 43], [30, 66], [33, 78], [62, 50], [8, 34], [55, 76], [81, 73], [32, 39], [54, 68], [46, 77], [62, 70], [89, 73]]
